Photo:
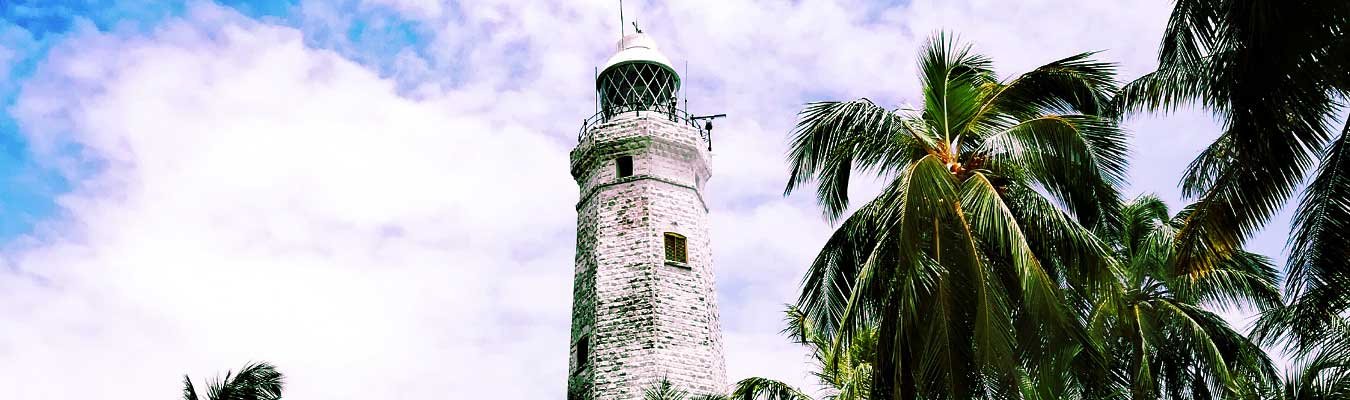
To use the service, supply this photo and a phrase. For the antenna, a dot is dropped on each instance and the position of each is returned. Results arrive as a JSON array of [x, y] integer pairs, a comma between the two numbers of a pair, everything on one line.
[[620, 19]]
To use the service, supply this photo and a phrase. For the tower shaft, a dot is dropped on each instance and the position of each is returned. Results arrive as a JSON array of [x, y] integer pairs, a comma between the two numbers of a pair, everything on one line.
[[644, 295]]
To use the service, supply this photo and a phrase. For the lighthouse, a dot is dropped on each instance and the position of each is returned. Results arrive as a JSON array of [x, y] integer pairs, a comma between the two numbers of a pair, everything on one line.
[[644, 301]]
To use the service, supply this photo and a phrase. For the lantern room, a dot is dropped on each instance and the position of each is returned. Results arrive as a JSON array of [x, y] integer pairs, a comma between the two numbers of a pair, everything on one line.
[[637, 78]]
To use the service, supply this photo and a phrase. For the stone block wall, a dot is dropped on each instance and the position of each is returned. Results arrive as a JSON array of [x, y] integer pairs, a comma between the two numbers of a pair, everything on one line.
[[644, 318]]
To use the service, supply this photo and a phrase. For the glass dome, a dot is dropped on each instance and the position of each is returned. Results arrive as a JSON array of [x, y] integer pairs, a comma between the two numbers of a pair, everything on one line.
[[637, 78]]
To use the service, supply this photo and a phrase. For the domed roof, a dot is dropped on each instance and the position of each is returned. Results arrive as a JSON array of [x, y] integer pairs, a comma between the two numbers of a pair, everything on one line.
[[638, 47]]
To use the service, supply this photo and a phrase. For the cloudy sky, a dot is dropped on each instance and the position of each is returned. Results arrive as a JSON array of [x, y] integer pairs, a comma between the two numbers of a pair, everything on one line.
[[374, 195]]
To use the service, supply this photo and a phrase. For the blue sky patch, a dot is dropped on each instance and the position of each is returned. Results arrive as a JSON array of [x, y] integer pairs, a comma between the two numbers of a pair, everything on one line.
[[373, 36]]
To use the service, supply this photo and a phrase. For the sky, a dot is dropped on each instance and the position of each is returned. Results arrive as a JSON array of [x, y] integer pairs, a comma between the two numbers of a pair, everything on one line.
[[374, 194]]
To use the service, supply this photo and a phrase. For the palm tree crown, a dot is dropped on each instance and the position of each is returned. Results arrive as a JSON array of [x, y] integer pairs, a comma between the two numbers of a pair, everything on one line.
[[256, 381], [1275, 73], [1151, 318], [1324, 376], [960, 260], [847, 376]]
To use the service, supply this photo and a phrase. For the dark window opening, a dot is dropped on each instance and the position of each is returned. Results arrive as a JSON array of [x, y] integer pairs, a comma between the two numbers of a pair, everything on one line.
[[625, 164], [676, 248], [583, 352]]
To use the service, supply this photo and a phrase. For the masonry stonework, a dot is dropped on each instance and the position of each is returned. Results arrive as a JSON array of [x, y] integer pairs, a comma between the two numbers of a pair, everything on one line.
[[643, 318]]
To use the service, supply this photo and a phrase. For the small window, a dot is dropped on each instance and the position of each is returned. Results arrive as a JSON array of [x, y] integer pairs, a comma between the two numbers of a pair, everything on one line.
[[676, 249], [625, 164], [583, 352]]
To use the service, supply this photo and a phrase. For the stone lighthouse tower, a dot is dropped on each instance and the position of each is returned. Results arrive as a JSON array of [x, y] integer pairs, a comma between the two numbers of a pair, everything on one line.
[[644, 304]]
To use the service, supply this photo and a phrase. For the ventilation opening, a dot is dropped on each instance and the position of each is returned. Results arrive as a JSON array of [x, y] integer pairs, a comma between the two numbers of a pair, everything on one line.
[[625, 164], [583, 352], [676, 249]]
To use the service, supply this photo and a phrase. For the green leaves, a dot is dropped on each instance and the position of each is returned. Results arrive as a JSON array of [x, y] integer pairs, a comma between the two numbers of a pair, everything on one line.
[[959, 264], [1325, 374], [833, 139], [1080, 159], [1272, 73], [256, 381], [1275, 75], [189, 392], [664, 390], [954, 83], [1152, 313], [1317, 275], [1073, 85], [846, 371], [995, 222], [766, 389], [1002, 229]]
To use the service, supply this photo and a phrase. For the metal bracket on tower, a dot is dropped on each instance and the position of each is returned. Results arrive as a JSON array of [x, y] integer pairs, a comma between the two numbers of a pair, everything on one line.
[[707, 125]]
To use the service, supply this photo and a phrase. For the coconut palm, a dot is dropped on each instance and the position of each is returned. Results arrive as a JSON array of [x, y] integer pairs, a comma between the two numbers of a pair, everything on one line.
[[1325, 376], [1152, 320], [664, 390], [756, 388], [256, 381], [847, 376], [1275, 73], [960, 261]]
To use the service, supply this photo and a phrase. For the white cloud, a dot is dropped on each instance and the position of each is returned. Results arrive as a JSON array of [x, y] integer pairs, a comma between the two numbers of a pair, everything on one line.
[[260, 199]]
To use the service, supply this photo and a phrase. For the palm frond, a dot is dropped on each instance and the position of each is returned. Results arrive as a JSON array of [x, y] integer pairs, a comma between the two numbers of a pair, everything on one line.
[[1320, 240], [954, 80], [1077, 84], [830, 279], [1242, 278], [756, 388], [1325, 375], [664, 390], [994, 222], [189, 392], [1166, 89], [833, 139], [1078, 159], [256, 381], [1265, 72], [961, 266]]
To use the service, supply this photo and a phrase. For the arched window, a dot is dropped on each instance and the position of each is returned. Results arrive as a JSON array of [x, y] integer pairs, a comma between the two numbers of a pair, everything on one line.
[[676, 248]]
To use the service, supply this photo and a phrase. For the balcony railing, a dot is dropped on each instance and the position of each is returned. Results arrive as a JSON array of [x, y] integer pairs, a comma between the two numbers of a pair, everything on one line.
[[671, 113]]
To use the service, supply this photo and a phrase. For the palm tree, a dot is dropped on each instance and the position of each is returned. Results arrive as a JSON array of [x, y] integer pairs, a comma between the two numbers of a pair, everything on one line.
[[256, 381], [960, 260], [1326, 376], [1152, 320], [1275, 72], [664, 390], [848, 376]]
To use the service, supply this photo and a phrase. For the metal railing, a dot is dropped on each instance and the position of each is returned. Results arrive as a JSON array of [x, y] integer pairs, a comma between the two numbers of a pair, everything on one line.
[[671, 113]]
